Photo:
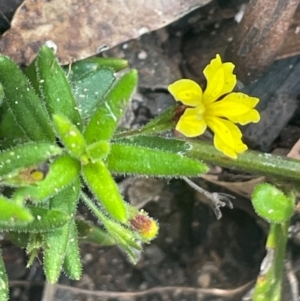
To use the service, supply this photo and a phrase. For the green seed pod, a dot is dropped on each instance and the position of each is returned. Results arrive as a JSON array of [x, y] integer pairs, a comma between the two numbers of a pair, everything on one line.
[[4, 288], [101, 183], [44, 220], [272, 204], [62, 173], [11, 213], [26, 155], [57, 242], [137, 160], [72, 264], [98, 150], [104, 121], [54, 86], [23, 102], [70, 136]]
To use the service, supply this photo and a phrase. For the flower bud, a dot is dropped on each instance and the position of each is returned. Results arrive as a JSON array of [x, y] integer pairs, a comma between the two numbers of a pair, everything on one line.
[[146, 226]]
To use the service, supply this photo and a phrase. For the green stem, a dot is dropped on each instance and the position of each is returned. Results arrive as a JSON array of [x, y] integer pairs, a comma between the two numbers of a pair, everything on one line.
[[268, 285], [161, 123], [279, 167]]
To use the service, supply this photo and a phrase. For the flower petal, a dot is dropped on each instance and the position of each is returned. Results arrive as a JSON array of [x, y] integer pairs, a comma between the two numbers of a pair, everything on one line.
[[227, 137], [191, 123], [251, 116], [187, 91], [237, 107], [220, 79]]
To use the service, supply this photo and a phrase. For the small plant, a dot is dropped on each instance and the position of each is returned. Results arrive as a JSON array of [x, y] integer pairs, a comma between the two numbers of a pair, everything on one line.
[[60, 143]]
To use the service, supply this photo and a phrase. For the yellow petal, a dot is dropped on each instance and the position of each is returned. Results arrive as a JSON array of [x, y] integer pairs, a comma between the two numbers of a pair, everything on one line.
[[187, 91], [237, 107], [227, 137], [191, 123], [220, 79], [251, 116]]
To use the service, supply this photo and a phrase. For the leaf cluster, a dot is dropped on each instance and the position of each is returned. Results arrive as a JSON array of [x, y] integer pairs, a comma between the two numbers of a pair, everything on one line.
[[60, 144]]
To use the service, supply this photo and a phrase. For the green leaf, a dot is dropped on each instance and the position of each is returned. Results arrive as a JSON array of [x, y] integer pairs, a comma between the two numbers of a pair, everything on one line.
[[138, 160], [70, 136], [9, 129], [31, 73], [57, 242], [20, 239], [66, 200], [11, 213], [172, 145], [98, 150], [89, 90], [104, 121], [272, 204], [27, 176], [62, 172], [103, 186], [26, 155], [26, 107], [91, 79], [4, 288], [72, 264], [83, 68], [55, 87], [44, 220]]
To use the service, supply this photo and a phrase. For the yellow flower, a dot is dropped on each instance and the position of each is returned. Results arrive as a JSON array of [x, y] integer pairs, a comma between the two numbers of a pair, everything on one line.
[[206, 109]]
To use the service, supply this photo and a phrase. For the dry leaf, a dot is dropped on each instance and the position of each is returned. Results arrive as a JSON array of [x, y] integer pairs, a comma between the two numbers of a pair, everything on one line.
[[80, 27]]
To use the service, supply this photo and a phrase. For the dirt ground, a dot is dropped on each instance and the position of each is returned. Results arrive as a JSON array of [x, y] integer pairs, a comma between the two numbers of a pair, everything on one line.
[[195, 256]]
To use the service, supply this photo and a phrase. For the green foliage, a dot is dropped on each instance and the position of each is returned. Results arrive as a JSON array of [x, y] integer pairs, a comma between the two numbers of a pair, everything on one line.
[[104, 121], [70, 136], [54, 87], [58, 136], [26, 155], [272, 204], [105, 190], [139, 160], [25, 106], [12, 213], [60, 142], [40, 220]]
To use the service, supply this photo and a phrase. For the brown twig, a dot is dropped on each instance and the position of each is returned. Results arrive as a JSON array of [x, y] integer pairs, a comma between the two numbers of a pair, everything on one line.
[[227, 293]]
